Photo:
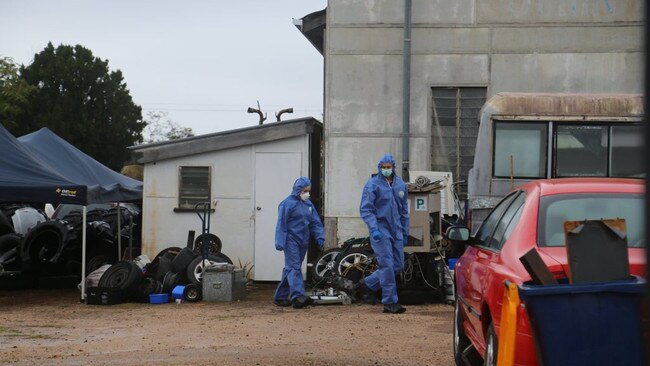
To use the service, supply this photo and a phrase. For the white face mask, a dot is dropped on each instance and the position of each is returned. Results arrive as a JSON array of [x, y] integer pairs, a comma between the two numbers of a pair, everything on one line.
[[304, 196]]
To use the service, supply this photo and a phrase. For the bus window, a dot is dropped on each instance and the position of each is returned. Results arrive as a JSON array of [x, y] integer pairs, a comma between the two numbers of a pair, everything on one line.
[[627, 152], [526, 144], [581, 150]]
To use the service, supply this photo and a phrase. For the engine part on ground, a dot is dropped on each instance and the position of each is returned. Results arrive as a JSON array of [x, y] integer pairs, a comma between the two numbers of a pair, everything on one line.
[[25, 218], [9, 257], [193, 292], [324, 264], [170, 280], [330, 296], [124, 275], [194, 271], [356, 264], [212, 241], [183, 259], [44, 243]]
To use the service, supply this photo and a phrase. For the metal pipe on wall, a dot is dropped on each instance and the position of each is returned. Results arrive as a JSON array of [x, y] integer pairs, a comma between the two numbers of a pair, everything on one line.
[[406, 90]]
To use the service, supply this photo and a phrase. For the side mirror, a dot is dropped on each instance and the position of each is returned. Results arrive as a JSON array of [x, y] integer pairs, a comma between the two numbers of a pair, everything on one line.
[[458, 233]]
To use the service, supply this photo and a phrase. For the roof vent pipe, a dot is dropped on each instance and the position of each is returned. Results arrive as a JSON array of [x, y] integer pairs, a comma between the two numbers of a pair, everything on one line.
[[281, 112], [406, 90], [258, 111]]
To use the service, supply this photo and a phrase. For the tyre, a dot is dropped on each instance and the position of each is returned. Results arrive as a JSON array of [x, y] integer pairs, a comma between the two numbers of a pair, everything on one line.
[[213, 242], [193, 293], [9, 257], [491, 347], [460, 340], [355, 265], [124, 275], [159, 267], [183, 259], [195, 269], [324, 264], [5, 226], [146, 287], [43, 243], [96, 262], [170, 253], [170, 280]]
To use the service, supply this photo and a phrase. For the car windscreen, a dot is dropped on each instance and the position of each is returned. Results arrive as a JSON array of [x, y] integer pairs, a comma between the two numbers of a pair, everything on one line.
[[555, 210]]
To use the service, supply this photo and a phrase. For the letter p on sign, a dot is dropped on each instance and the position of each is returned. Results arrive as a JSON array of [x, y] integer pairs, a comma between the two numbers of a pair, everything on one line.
[[420, 204]]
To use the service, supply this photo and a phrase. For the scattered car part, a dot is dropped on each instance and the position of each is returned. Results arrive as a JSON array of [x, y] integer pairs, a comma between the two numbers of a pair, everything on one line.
[[324, 264], [147, 287], [356, 264], [9, 258], [26, 218], [182, 260], [193, 292], [212, 241], [170, 280], [43, 244], [195, 268], [330, 296], [124, 275], [5, 225]]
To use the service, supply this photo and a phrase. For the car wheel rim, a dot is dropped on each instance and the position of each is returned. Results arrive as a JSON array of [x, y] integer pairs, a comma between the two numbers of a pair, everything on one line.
[[198, 270], [356, 260], [326, 263]]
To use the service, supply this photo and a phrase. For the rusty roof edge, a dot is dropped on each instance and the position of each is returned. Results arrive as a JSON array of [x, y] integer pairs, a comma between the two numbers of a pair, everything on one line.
[[571, 104]]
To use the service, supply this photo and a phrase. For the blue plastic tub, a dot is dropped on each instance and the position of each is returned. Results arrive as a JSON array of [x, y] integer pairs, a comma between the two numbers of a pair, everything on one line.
[[158, 298], [452, 263], [586, 324]]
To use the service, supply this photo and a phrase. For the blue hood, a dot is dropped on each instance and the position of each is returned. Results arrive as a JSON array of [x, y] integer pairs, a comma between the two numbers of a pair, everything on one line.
[[387, 158], [299, 185]]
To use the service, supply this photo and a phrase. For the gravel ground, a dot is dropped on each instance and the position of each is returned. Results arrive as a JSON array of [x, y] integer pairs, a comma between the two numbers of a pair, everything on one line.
[[51, 327]]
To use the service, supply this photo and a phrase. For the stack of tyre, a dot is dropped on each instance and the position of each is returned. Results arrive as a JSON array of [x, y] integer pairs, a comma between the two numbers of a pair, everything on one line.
[[34, 245], [171, 267]]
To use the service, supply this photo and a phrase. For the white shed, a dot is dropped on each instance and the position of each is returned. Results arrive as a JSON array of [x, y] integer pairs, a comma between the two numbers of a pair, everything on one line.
[[247, 171]]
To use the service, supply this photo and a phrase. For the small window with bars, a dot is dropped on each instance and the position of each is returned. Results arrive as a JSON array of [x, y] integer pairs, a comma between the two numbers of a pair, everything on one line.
[[194, 186]]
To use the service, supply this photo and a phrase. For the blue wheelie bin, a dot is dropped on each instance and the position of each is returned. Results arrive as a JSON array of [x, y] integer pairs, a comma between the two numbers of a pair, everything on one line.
[[586, 324]]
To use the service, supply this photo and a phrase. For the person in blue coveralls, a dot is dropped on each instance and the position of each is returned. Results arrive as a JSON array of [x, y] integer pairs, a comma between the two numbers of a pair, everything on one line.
[[297, 221], [384, 209]]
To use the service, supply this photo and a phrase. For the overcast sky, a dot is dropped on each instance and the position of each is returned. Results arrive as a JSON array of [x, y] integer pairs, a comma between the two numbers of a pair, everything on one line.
[[203, 62]]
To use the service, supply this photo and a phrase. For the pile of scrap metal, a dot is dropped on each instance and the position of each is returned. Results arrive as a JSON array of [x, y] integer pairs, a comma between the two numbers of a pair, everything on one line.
[[33, 244], [174, 266], [336, 271]]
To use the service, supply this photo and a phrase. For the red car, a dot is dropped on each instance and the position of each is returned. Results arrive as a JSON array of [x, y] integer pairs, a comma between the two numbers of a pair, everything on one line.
[[532, 216]]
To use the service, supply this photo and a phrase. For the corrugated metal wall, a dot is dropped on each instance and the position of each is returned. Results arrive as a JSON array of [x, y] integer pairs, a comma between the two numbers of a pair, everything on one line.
[[454, 129]]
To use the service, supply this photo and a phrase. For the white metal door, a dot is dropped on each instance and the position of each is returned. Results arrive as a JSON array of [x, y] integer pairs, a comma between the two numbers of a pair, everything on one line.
[[275, 174]]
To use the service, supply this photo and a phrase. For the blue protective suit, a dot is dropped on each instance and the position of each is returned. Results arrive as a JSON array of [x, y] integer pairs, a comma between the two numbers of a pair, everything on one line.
[[297, 220], [384, 207]]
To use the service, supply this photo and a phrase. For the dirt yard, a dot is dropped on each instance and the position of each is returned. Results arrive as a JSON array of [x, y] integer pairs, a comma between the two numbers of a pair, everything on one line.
[[41, 327]]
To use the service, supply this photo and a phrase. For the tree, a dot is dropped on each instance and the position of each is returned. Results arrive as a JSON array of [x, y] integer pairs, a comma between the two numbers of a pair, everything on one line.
[[162, 130], [14, 93], [81, 101]]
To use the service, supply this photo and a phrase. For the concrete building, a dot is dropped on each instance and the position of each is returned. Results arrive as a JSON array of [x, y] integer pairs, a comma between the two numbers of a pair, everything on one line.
[[246, 171], [461, 53]]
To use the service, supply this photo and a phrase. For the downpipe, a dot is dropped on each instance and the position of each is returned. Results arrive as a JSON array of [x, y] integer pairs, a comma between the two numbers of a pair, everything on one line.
[[406, 90]]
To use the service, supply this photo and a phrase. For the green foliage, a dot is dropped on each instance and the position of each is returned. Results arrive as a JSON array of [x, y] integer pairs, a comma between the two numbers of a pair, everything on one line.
[[161, 128], [14, 93], [79, 99]]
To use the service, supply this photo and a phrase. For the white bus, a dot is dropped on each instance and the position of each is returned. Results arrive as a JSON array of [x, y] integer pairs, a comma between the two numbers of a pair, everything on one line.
[[527, 136]]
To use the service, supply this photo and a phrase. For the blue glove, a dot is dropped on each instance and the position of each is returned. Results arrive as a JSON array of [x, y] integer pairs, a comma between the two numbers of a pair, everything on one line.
[[406, 239], [376, 234], [321, 242], [279, 247]]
